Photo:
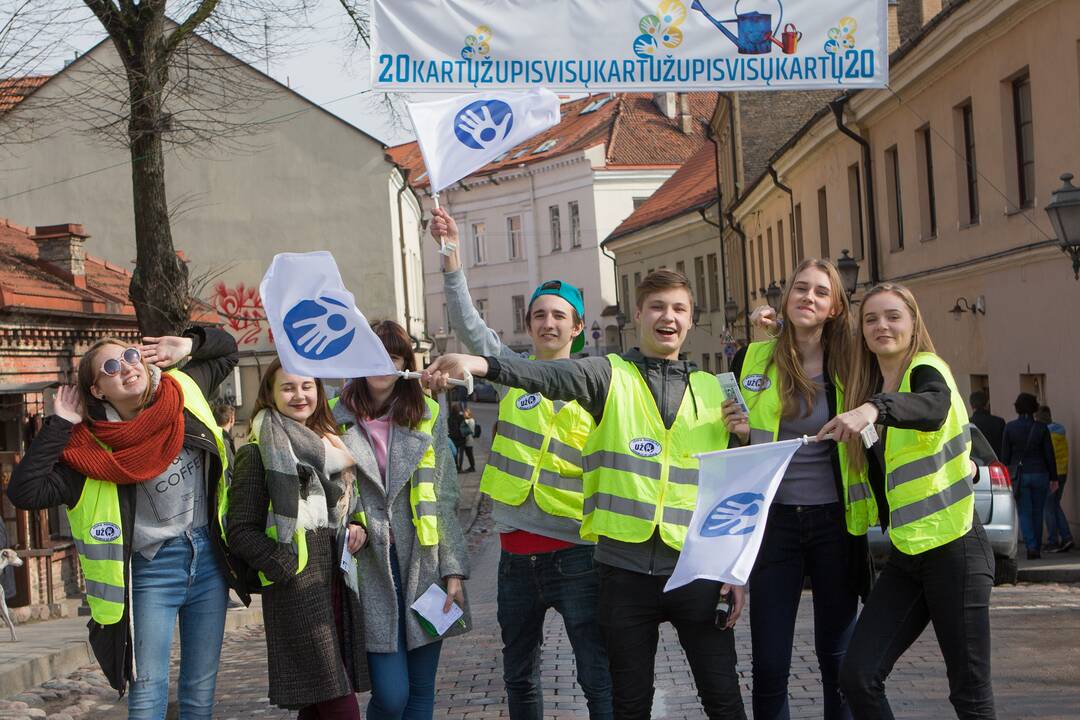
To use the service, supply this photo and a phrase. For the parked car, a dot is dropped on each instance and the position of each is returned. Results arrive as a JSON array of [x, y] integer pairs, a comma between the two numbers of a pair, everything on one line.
[[484, 392], [994, 505]]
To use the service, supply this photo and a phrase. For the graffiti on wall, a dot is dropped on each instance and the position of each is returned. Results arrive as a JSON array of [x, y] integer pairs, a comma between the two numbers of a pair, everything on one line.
[[242, 309]]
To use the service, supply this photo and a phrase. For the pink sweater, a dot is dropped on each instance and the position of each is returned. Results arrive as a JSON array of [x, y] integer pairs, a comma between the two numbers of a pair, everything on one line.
[[378, 431]]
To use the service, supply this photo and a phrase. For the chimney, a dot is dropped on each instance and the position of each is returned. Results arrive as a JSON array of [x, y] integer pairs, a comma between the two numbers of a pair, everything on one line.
[[912, 15], [62, 246], [686, 120], [665, 101]]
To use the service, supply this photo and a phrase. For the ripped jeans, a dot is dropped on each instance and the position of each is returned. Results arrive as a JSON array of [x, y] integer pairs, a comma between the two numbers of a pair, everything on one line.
[[183, 580]]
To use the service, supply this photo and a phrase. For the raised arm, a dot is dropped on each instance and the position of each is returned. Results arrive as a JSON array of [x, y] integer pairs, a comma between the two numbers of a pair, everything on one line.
[[465, 320]]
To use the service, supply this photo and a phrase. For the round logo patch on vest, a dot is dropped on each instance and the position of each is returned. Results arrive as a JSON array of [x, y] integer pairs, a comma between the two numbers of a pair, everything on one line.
[[105, 531], [528, 402], [645, 447], [756, 383]]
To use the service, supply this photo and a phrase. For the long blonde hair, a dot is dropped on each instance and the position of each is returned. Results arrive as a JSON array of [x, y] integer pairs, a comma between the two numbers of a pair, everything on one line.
[[866, 373], [87, 373], [797, 391]]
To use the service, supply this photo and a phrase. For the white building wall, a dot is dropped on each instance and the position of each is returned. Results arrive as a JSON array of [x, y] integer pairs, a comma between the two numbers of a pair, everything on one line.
[[604, 197]]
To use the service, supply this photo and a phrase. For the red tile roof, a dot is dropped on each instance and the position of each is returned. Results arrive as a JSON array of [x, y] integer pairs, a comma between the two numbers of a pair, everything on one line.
[[14, 90], [630, 125], [692, 187], [29, 285]]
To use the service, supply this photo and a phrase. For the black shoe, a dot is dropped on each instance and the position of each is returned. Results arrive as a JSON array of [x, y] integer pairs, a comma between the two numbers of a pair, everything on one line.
[[1063, 547], [1034, 554]]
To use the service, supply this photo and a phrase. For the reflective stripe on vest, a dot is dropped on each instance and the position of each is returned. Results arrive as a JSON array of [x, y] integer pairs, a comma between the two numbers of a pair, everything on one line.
[[931, 500], [761, 390], [640, 476], [195, 403], [538, 450], [96, 523]]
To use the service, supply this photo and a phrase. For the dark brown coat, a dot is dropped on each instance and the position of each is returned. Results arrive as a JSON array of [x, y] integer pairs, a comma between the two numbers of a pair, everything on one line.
[[308, 660]]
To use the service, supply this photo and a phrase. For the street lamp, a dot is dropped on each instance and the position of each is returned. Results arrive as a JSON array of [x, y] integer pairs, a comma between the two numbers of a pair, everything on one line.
[[773, 295], [731, 311], [440, 339], [848, 267], [1064, 212]]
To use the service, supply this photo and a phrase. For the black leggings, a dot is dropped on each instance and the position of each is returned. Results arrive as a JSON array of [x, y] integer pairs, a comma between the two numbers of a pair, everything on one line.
[[948, 586], [463, 451]]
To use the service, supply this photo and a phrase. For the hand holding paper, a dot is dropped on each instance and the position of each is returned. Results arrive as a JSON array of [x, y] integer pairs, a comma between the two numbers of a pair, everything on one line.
[[429, 607]]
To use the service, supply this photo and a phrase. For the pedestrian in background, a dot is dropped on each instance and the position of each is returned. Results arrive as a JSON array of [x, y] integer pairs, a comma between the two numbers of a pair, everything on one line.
[[991, 426], [225, 416], [290, 502], [1058, 536], [143, 509], [408, 502], [823, 508], [1028, 451], [456, 436], [941, 567], [468, 429]]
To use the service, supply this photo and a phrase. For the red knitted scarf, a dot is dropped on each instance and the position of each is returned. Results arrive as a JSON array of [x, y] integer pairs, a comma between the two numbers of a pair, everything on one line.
[[141, 448]]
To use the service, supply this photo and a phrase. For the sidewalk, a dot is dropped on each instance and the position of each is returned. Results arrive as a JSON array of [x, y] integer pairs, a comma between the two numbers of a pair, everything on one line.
[[1051, 568]]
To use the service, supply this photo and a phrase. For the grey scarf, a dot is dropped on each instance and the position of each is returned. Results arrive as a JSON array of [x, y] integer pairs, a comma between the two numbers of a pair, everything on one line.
[[294, 460]]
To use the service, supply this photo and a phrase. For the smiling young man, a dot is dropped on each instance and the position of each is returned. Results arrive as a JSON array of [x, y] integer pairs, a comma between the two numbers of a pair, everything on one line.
[[534, 479], [654, 412]]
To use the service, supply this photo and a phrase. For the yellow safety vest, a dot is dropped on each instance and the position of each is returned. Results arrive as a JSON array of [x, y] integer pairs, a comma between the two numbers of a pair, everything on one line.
[[639, 475], [931, 501], [97, 527], [423, 501], [761, 391], [538, 450]]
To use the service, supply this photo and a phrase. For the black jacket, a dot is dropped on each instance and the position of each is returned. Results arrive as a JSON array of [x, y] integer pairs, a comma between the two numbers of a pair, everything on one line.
[[860, 562], [42, 480]]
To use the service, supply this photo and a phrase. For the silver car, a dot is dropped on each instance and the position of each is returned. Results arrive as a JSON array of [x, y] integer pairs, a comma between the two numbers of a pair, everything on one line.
[[994, 504]]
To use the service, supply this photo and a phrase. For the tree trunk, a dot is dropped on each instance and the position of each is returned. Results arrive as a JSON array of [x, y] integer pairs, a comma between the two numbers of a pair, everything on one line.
[[159, 287]]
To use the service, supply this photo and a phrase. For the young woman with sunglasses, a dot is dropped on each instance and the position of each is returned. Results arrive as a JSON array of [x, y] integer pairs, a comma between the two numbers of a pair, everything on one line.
[[817, 524], [941, 568], [135, 455]]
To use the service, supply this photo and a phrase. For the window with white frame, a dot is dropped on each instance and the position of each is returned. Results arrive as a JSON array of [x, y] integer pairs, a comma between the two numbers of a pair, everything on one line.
[[575, 224], [513, 237], [556, 228], [479, 238], [519, 313]]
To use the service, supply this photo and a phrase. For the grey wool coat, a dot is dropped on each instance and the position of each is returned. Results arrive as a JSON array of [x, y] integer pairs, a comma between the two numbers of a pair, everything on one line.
[[387, 507]]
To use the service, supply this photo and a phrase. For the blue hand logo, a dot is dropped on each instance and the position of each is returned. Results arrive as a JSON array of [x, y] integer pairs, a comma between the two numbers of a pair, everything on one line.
[[484, 123], [734, 515], [317, 330]]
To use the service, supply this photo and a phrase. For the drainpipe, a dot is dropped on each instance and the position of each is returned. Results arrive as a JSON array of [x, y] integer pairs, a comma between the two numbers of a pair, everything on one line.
[[868, 182], [791, 203], [404, 254], [719, 210], [745, 271], [618, 300]]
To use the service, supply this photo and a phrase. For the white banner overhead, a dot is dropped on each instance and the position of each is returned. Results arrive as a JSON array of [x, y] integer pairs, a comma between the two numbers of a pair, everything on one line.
[[446, 45]]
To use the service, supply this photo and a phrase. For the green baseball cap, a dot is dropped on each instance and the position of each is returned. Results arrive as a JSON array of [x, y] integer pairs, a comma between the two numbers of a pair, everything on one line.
[[570, 294]]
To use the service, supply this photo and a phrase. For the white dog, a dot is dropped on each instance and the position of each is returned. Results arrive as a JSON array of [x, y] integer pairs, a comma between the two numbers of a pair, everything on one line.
[[8, 557]]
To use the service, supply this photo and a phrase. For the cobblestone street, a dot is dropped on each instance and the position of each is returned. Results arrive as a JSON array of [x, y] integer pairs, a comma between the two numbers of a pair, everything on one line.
[[1036, 629]]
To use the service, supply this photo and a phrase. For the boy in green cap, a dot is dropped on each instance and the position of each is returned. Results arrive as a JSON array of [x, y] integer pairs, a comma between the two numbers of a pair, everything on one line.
[[534, 478]]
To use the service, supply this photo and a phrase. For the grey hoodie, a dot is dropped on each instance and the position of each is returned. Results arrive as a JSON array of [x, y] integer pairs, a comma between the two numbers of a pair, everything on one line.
[[587, 381]]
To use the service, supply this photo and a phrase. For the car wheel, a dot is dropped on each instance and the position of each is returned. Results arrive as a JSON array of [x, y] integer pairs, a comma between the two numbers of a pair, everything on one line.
[[1005, 571]]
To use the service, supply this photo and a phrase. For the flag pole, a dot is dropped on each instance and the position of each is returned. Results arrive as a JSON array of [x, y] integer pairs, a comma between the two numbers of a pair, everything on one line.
[[466, 382], [445, 248]]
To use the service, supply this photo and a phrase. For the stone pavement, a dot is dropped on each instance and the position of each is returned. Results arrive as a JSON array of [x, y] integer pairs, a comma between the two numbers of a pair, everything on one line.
[[1036, 661]]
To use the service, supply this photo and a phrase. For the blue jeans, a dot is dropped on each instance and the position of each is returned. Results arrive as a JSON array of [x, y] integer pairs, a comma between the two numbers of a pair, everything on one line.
[[403, 682], [1057, 525], [566, 581], [184, 579], [799, 541], [1034, 487]]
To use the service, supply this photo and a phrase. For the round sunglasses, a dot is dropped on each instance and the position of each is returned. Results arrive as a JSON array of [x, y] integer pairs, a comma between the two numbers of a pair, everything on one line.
[[131, 356]]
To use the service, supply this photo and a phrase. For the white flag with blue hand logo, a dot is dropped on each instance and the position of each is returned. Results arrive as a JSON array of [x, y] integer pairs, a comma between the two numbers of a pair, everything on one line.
[[735, 489], [318, 331], [463, 134]]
